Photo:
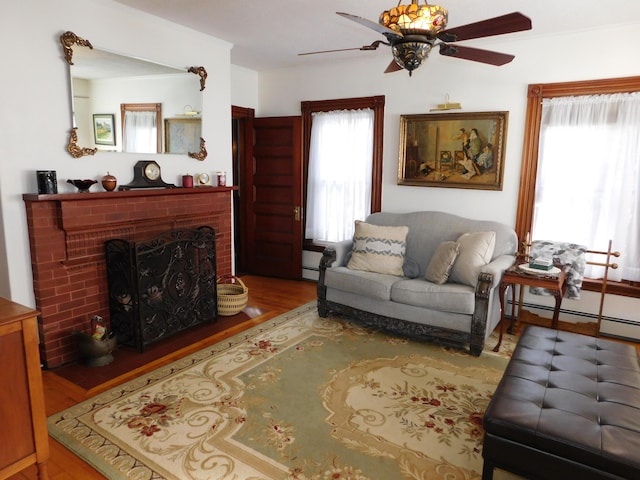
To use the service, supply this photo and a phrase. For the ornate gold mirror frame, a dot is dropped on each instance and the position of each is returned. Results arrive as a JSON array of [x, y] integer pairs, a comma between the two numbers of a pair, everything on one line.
[[68, 40]]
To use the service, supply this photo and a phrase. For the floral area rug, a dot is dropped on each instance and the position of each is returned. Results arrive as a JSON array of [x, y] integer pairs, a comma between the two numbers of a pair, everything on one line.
[[298, 397]]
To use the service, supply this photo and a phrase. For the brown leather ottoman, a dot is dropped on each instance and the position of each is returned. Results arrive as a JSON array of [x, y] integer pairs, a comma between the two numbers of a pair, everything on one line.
[[567, 407]]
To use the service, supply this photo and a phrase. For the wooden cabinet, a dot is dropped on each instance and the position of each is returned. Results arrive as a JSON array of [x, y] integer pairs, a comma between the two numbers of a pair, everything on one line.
[[24, 438]]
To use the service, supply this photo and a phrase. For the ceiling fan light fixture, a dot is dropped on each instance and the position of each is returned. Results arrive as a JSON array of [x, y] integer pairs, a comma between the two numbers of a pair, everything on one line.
[[410, 55], [409, 18]]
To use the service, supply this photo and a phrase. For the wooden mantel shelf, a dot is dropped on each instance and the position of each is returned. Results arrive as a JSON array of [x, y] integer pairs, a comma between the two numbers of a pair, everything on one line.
[[143, 192]]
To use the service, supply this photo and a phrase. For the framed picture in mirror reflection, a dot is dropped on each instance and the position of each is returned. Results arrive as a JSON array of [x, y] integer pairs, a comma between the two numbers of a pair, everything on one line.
[[104, 129], [182, 135]]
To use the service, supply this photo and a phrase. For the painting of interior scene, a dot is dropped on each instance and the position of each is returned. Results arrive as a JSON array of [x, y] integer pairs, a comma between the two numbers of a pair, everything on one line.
[[463, 150]]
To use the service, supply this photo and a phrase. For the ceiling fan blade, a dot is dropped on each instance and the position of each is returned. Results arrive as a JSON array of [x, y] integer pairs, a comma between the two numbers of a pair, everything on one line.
[[387, 32], [336, 50], [393, 67], [373, 46], [475, 54], [330, 51], [512, 22]]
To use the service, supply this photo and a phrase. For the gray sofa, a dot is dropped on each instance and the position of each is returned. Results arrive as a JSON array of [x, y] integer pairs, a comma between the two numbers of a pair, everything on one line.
[[455, 311]]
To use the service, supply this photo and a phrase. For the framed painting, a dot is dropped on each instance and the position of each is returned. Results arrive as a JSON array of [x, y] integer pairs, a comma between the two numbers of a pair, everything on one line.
[[182, 135], [458, 150], [103, 129]]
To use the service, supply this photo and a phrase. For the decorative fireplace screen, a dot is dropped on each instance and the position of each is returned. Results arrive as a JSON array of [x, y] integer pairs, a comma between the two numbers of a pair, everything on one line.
[[161, 286]]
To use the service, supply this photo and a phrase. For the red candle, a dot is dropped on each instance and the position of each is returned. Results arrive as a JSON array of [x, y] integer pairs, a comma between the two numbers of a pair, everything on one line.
[[187, 181], [222, 179]]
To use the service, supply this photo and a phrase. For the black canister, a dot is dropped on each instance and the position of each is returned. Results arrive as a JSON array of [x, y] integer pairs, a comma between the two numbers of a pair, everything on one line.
[[47, 182]]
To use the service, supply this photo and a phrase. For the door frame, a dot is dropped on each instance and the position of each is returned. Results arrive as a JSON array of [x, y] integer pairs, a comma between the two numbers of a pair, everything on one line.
[[242, 149]]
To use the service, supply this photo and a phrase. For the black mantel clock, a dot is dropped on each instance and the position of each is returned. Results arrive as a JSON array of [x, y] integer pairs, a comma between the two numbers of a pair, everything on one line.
[[146, 174]]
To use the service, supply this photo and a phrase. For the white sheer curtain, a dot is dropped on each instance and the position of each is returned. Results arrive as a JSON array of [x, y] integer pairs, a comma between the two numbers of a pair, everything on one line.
[[339, 179], [140, 132], [587, 188]]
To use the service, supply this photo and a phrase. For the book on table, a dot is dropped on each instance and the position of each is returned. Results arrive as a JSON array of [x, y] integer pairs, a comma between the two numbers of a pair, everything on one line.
[[541, 263]]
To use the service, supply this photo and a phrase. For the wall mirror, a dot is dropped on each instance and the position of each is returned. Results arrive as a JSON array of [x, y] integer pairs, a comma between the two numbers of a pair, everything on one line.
[[125, 104]]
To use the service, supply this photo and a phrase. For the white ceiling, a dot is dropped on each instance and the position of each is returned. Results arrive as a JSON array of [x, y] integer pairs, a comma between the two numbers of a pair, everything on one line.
[[268, 34]]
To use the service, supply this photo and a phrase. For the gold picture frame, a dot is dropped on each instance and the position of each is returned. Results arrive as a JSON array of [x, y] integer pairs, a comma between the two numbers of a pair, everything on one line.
[[457, 150]]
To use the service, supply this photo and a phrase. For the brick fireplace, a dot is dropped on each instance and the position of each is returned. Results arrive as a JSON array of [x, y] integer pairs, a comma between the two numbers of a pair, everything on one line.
[[67, 233]]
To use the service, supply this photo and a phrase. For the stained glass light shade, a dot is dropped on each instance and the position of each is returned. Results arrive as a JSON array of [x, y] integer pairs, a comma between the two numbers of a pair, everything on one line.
[[415, 19]]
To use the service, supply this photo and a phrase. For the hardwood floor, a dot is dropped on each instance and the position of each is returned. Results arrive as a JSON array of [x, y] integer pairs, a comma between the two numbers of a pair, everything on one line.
[[270, 295]]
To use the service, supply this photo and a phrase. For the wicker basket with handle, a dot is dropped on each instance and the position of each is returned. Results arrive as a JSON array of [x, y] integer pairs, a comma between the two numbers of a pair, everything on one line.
[[232, 295]]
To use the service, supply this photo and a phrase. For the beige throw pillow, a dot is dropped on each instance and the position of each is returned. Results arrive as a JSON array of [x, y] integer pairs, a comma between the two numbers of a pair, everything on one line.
[[442, 261], [378, 249], [476, 250]]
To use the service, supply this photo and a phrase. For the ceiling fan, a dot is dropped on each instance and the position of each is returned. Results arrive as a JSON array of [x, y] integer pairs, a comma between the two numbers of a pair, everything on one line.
[[413, 30]]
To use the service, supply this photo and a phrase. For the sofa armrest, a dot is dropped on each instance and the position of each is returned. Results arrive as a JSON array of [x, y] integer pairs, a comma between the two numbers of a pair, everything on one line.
[[342, 249], [333, 256], [488, 279], [497, 268]]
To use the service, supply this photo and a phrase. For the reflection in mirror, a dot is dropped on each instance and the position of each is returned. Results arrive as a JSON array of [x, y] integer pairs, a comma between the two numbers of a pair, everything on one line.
[[103, 82], [140, 127]]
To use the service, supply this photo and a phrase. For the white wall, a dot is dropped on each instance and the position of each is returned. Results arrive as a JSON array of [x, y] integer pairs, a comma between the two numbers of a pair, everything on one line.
[[35, 114], [244, 87], [555, 58]]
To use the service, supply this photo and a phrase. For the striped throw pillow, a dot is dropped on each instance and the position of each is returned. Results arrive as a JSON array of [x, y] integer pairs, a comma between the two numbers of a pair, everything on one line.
[[378, 249]]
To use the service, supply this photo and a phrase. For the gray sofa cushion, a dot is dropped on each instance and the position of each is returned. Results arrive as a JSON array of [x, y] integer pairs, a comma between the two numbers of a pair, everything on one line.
[[448, 297], [378, 248], [367, 284]]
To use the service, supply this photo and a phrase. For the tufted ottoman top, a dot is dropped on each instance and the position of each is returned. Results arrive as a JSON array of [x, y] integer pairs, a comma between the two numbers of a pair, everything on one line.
[[573, 396]]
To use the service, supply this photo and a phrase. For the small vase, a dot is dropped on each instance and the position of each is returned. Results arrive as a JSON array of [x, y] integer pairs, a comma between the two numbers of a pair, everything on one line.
[[109, 182]]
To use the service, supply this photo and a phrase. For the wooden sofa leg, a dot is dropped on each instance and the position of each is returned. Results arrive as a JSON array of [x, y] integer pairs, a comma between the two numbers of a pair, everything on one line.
[[476, 349], [323, 311]]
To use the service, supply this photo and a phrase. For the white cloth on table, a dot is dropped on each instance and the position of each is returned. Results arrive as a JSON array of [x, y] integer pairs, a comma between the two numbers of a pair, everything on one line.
[[569, 255]]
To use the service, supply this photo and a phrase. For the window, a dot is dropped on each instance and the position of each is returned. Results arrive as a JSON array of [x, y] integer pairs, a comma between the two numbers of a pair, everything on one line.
[[339, 179], [328, 162], [599, 181], [141, 127], [591, 145]]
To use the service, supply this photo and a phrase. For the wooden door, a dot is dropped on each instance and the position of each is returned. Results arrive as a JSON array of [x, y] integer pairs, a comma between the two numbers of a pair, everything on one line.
[[273, 192]]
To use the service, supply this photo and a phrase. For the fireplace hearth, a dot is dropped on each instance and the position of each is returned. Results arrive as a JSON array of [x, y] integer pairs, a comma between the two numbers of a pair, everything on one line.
[[161, 286]]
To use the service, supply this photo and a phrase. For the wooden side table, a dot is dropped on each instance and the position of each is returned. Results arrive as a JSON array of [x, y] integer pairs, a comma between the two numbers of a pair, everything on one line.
[[516, 276], [23, 421]]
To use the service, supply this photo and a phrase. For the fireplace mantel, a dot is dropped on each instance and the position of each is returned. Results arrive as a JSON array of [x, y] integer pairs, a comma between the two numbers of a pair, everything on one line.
[[67, 233]]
